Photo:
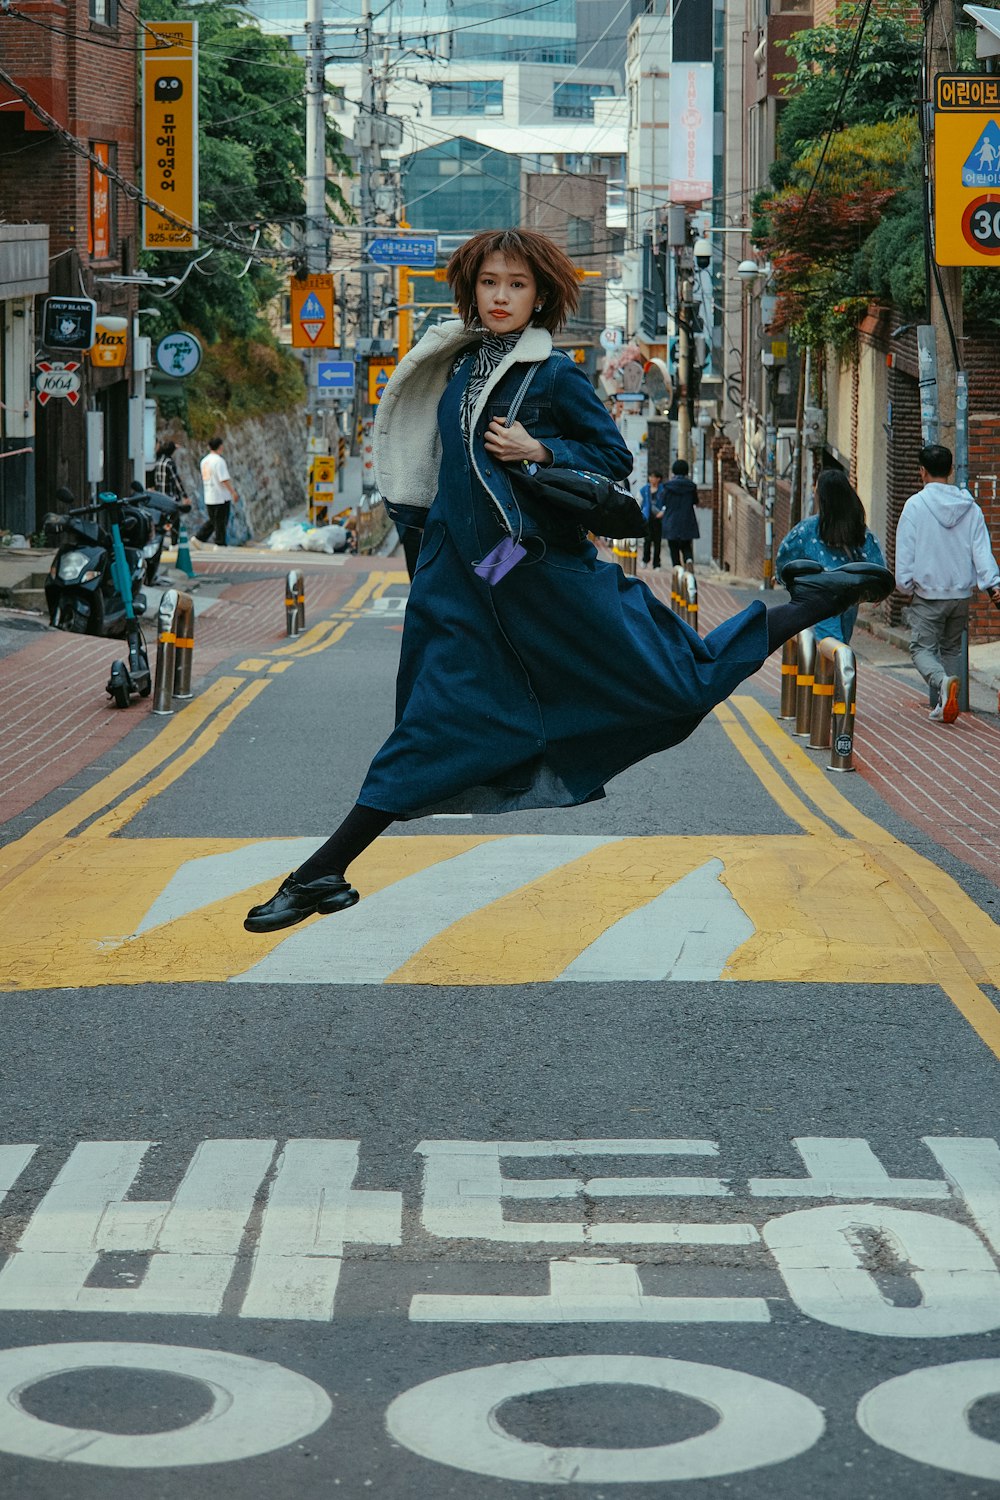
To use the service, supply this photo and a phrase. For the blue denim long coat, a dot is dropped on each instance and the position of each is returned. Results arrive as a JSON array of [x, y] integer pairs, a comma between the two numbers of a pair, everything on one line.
[[534, 692]]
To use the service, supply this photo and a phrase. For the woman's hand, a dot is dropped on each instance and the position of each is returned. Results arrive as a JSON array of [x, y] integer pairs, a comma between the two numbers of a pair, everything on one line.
[[514, 444]]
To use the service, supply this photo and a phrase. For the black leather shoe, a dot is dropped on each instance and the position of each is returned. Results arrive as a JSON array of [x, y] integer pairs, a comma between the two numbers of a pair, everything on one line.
[[293, 902], [837, 588]]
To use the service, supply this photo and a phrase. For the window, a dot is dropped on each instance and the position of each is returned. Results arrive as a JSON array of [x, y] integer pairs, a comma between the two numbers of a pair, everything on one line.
[[575, 101], [104, 12], [473, 97]]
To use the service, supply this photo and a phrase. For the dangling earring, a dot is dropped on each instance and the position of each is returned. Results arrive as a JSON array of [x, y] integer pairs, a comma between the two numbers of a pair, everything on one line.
[[538, 307]]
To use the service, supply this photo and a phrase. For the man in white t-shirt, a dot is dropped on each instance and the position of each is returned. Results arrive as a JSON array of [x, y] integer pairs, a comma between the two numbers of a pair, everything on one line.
[[218, 494]]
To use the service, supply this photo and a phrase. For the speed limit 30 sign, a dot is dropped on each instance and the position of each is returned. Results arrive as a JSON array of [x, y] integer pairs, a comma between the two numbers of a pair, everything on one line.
[[966, 169]]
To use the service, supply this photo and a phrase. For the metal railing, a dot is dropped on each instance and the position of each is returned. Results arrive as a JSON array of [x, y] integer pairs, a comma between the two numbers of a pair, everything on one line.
[[174, 651], [295, 603]]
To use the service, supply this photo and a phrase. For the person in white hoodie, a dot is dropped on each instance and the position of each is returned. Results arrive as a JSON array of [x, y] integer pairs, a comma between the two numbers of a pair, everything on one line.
[[942, 554]]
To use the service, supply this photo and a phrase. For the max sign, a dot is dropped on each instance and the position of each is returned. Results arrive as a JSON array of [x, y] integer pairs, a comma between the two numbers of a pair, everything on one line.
[[110, 343], [57, 380]]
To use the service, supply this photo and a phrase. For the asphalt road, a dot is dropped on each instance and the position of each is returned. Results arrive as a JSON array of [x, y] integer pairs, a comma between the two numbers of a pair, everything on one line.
[[643, 1149]]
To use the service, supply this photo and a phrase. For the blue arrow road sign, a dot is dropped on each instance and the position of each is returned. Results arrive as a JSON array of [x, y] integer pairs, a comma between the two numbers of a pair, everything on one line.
[[335, 375], [412, 250]]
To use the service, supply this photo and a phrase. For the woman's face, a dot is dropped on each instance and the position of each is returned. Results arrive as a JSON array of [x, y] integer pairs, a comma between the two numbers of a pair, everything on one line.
[[506, 293]]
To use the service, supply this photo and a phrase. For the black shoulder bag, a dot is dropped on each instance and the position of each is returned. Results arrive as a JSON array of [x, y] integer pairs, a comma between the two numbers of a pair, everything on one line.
[[604, 506]]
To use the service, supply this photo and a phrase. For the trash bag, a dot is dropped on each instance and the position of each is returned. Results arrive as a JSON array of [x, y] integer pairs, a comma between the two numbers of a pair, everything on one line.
[[326, 539], [288, 538]]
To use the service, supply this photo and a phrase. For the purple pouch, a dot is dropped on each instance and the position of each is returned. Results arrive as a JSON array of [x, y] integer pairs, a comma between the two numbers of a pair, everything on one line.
[[498, 562]]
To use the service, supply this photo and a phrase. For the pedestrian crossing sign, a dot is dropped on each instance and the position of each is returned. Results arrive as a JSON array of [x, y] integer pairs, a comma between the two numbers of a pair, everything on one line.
[[982, 165], [312, 312], [378, 378]]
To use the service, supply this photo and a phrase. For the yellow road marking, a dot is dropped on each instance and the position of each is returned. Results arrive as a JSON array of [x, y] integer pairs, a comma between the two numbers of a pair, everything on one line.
[[779, 791], [59, 825], [117, 817]]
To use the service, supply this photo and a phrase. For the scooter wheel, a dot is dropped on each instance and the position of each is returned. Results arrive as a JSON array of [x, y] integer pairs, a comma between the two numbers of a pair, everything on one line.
[[120, 693], [119, 686]]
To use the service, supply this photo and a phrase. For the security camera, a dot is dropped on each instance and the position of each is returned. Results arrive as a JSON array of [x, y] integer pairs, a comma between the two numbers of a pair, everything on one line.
[[702, 254]]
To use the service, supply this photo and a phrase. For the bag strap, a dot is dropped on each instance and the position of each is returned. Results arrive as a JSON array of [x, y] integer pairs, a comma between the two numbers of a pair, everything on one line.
[[515, 405]]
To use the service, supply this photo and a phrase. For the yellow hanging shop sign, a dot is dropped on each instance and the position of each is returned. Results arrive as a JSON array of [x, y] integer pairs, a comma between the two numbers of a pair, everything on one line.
[[110, 344], [170, 134]]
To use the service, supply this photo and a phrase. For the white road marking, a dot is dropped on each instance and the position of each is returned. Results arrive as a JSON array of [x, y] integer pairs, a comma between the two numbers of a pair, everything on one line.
[[312, 1210], [256, 1407], [370, 941], [13, 1160], [464, 1191], [925, 1416], [454, 1420], [844, 1167], [197, 1234], [820, 1253], [199, 882], [972, 1166], [584, 1290], [688, 932]]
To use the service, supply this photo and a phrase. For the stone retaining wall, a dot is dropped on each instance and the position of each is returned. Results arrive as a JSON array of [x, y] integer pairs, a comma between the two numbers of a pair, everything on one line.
[[267, 460]]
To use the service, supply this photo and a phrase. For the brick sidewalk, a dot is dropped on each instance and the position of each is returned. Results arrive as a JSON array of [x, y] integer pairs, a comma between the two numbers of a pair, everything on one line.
[[57, 717]]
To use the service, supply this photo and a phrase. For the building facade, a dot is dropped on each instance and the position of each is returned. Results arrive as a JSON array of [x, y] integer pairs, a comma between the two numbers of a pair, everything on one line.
[[76, 61]]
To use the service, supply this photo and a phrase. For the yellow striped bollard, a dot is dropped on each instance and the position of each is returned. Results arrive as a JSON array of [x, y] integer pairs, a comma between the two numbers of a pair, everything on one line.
[[789, 674], [174, 651], [834, 702], [689, 598], [625, 551], [805, 644]]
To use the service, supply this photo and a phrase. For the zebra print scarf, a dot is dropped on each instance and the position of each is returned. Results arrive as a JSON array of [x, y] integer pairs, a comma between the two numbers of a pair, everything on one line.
[[494, 348]]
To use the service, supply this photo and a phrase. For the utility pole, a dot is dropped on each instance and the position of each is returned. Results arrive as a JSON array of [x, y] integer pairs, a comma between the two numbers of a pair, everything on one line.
[[316, 235], [945, 290], [684, 362], [367, 148]]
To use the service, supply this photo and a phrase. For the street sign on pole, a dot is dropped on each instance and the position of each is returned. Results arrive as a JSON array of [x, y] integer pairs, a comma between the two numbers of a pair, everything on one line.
[[408, 250], [335, 375], [312, 312], [966, 169], [69, 322], [378, 378]]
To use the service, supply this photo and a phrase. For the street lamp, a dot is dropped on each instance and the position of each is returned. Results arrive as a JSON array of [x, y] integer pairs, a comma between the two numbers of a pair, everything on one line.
[[748, 271]]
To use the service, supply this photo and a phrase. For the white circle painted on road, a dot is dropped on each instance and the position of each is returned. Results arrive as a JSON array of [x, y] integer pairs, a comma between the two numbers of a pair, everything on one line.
[[925, 1416], [256, 1406], [453, 1420]]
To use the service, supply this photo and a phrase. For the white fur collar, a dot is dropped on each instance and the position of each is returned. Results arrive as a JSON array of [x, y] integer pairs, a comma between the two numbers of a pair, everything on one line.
[[407, 444]]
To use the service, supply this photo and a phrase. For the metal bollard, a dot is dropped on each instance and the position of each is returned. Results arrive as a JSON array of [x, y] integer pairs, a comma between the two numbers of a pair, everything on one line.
[[689, 598], [295, 603], [174, 651], [789, 672], [626, 551], [676, 588], [806, 661], [834, 701]]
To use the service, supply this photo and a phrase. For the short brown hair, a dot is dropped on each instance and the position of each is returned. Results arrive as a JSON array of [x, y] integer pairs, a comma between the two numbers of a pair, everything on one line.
[[554, 272]]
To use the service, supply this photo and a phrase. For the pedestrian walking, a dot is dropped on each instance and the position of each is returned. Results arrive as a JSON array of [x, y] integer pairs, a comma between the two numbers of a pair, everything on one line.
[[167, 480], [651, 497], [836, 534], [531, 672], [942, 553], [680, 520], [219, 494]]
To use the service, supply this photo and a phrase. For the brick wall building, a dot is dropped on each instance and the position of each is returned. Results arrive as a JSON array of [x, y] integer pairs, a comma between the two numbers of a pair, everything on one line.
[[78, 60]]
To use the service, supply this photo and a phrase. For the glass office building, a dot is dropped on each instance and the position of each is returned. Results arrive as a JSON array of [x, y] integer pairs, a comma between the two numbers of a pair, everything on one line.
[[487, 30]]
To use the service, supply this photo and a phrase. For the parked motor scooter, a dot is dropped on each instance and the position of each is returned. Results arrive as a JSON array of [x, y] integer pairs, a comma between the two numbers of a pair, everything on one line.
[[165, 511], [82, 590]]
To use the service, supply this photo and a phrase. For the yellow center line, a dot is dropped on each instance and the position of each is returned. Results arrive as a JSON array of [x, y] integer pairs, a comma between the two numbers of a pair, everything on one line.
[[936, 897], [782, 794], [117, 817], [170, 739]]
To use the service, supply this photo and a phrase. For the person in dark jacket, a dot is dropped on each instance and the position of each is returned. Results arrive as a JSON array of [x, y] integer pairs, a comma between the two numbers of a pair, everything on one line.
[[651, 498], [531, 672], [680, 524]]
